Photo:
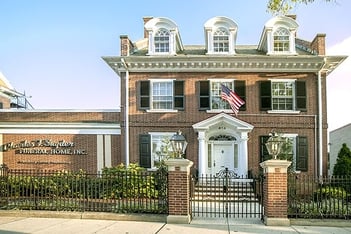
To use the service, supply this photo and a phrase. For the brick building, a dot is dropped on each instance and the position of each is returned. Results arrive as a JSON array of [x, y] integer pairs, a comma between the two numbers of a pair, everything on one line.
[[168, 86], [56, 139]]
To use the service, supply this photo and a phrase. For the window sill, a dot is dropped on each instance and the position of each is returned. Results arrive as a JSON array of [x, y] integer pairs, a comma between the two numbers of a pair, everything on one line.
[[283, 112], [161, 111], [219, 111]]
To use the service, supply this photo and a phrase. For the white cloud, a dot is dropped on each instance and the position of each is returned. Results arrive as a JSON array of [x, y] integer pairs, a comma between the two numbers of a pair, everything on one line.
[[339, 87]]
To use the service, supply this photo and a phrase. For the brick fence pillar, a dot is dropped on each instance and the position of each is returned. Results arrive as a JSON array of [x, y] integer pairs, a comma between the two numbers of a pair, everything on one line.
[[275, 192], [178, 190]]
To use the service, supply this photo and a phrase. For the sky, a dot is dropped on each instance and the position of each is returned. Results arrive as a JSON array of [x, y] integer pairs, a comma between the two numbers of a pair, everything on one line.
[[52, 50]]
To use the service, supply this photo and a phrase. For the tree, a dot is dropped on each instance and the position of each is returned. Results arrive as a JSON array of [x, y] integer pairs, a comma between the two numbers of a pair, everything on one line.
[[284, 6], [343, 162]]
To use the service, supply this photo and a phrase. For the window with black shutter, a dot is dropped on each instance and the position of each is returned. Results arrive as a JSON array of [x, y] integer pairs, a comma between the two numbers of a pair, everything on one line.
[[144, 95], [265, 95], [264, 155], [240, 90], [301, 153], [204, 95], [178, 96], [301, 96], [145, 150]]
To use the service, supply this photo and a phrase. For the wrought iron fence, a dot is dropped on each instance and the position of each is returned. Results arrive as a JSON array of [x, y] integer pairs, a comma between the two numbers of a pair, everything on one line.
[[118, 192], [226, 195], [322, 197]]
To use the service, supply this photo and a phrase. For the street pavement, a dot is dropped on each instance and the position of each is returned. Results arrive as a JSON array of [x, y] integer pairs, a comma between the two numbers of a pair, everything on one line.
[[39, 225]]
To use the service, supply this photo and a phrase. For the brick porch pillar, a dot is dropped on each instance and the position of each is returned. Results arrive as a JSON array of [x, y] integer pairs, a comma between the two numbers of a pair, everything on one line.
[[275, 192], [178, 190]]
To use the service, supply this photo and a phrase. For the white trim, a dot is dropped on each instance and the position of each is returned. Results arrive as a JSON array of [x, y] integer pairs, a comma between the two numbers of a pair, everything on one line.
[[59, 128], [283, 112], [162, 111], [108, 153], [99, 152]]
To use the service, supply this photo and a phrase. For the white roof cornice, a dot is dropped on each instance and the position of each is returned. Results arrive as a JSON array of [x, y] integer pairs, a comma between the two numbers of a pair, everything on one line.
[[236, 63]]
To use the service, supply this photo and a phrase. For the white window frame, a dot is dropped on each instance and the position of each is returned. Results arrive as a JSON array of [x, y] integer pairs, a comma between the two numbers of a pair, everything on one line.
[[281, 37], [293, 97], [221, 36], [152, 95], [294, 146], [166, 43], [158, 148], [222, 103]]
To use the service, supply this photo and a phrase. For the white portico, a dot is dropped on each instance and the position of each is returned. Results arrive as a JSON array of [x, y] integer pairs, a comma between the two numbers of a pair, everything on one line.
[[222, 144]]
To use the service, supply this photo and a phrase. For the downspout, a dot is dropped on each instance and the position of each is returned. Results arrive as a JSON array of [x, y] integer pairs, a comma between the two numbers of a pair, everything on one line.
[[320, 122], [320, 126], [126, 113]]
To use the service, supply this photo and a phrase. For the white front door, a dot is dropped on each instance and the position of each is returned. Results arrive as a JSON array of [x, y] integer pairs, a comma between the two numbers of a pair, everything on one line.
[[223, 156]]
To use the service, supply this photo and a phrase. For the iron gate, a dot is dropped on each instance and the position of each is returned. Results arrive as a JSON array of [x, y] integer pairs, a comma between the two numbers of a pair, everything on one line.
[[226, 195]]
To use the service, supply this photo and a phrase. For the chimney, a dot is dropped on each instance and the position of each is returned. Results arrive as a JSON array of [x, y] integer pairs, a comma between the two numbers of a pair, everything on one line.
[[146, 19], [318, 44], [126, 45]]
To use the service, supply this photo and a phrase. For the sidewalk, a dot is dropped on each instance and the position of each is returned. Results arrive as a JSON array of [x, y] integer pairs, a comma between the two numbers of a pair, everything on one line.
[[24, 225]]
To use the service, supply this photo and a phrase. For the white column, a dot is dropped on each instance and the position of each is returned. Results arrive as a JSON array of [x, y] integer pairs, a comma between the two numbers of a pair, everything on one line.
[[292, 41], [243, 159], [108, 153], [202, 153], [99, 152], [270, 41]]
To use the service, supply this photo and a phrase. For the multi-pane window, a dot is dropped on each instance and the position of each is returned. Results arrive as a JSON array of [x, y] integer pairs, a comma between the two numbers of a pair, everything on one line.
[[281, 40], [217, 103], [221, 41], [160, 147], [161, 40], [159, 94], [162, 95], [283, 95], [211, 90], [294, 149]]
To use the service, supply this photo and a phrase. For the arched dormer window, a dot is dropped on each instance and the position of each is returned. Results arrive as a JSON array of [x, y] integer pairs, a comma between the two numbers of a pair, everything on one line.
[[220, 33], [163, 37], [161, 41], [221, 40], [281, 38], [278, 36]]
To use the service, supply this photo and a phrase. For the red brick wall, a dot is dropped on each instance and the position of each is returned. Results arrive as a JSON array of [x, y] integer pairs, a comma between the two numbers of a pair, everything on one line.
[[275, 195], [54, 161], [303, 123]]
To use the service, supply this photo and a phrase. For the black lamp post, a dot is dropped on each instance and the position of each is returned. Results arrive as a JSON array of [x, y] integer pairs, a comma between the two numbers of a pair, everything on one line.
[[179, 144], [274, 144]]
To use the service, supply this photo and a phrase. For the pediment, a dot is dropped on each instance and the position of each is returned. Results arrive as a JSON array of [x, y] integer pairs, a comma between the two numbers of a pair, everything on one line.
[[227, 119]]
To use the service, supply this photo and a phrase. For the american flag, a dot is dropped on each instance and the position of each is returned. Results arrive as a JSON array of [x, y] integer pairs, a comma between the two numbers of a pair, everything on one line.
[[232, 98]]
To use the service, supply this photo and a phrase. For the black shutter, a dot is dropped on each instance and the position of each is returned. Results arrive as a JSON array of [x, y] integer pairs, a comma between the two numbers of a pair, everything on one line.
[[265, 95], [240, 90], [145, 150], [204, 98], [144, 92], [301, 96], [301, 153], [264, 155], [178, 95]]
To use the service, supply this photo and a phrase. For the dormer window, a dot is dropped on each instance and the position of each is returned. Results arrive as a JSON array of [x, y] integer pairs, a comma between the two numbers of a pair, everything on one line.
[[221, 41], [281, 40], [220, 35], [278, 37], [163, 37], [162, 41]]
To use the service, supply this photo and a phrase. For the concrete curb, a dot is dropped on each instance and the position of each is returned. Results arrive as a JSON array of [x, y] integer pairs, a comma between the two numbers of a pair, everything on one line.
[[84, 215]]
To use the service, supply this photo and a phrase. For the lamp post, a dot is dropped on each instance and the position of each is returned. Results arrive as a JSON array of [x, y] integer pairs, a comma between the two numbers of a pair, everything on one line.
[[274, 144], [179, 144]]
